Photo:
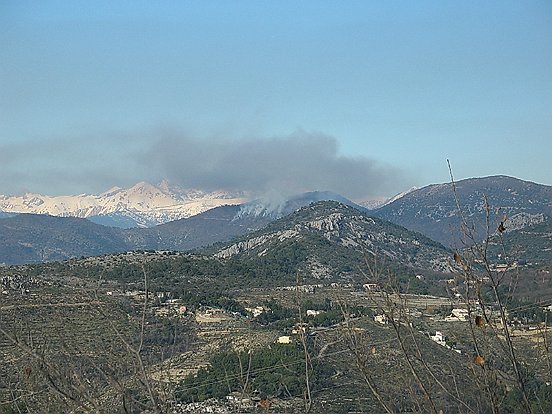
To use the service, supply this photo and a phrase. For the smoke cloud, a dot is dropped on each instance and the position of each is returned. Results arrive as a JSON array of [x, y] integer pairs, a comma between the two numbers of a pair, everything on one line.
[[299, 162], [275, 167]]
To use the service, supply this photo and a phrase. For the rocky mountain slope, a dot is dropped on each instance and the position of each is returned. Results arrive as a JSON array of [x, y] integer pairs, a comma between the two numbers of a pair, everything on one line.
[[432, 210], [219, 224], [142, 205], [224, 223], [329, 229]]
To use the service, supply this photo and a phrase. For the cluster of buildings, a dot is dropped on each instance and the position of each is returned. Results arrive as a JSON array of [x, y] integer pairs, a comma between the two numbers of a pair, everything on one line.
[[16, 282]]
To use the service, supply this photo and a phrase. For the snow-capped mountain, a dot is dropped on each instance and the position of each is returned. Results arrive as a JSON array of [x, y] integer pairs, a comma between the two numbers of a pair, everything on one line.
[[142, 205]]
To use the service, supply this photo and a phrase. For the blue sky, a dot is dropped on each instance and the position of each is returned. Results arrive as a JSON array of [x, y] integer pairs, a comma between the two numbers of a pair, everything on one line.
[[363, 98]]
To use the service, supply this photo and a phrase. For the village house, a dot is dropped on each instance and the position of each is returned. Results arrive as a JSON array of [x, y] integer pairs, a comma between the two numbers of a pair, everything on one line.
[[312, 312], [371, 287], [381, 319], [257, 311], [457, 314], [439, 338], [285, 340], [214, 311]]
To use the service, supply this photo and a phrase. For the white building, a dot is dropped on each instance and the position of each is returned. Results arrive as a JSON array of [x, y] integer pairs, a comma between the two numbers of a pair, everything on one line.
[[284, 340], [381, 319], [439, 338], [457, 314], [256, 311]]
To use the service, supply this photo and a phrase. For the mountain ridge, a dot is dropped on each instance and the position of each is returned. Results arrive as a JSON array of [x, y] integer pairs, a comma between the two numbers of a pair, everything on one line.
[[219, 224], [142, 205], [432, 210], [344, 227]]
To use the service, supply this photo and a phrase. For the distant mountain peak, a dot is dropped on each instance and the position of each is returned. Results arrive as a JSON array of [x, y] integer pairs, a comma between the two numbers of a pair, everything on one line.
[[144, 187], [142, 204], [111, 191]]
